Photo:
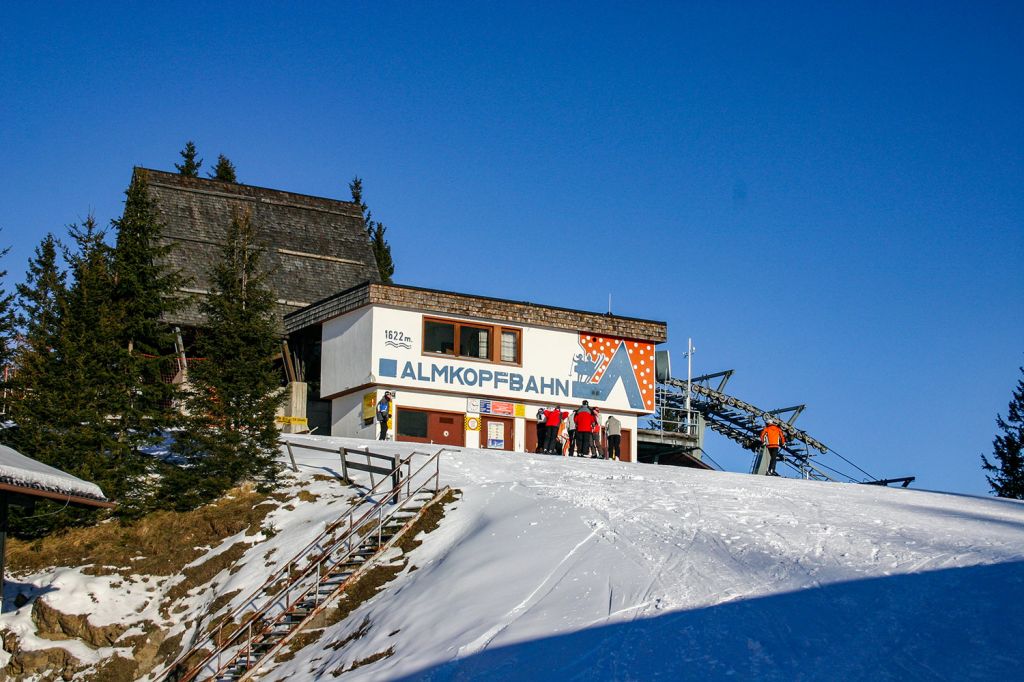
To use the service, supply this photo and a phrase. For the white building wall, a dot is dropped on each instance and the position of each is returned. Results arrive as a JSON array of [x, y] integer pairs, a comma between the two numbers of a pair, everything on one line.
[[346, 358], [378, 348]]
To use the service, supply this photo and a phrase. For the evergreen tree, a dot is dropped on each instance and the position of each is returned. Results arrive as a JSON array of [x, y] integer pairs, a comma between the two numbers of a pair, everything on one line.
[[382, 253], [224, 170], [1007, 479], [234, 392], [73, 381], [374, 232], [145, 291], [190, 167], [7, 327], [38, 315]]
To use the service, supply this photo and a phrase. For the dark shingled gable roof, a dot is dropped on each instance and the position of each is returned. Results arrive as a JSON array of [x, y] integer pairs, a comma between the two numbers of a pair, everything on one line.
[[315, 246]]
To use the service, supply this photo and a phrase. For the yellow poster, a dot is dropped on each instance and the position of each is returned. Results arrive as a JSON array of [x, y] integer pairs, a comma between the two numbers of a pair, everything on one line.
[[520, 410], [369, 406], [472, 423]]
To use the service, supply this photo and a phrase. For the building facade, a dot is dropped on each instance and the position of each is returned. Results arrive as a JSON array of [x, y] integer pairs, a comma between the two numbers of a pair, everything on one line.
[[472, 371]]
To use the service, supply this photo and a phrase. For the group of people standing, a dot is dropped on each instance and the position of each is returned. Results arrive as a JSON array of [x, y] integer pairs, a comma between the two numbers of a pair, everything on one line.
[[577, 434]]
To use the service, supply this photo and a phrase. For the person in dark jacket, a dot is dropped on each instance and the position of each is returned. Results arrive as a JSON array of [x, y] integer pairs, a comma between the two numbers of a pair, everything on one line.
[[571, 428], [542, 429], [584, 418], [384, 414], [553, 418]]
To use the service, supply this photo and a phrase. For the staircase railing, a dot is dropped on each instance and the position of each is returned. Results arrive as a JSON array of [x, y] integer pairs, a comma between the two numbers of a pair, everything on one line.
[[292, 583]]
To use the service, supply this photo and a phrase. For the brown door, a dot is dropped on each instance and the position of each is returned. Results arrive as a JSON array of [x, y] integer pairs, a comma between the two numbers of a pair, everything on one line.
[[627, 445], [447, 428], [424, 426], [496, 432], [624, 445]]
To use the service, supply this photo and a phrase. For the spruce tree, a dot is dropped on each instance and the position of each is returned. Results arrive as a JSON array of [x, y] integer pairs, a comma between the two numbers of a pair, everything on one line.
[[38, 321], [1007, 479], [190, 167], [382, 253], [73, 381], [38, 313], [234, 392], [145, 291], [224, 170], [6, 322], [374, 232]]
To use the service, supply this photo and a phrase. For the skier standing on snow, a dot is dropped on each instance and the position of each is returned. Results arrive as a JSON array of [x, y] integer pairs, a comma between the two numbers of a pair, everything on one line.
[[572, 434], [554, 417], [384, 414], [584, 424], [613, 427], [541, 428], [773, 438]]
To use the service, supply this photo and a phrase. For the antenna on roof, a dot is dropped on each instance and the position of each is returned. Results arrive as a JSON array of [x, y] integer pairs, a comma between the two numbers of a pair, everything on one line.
[[609, 303]]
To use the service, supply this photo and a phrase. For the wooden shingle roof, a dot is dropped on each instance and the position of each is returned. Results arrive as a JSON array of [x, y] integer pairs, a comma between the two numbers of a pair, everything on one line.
[[315, 246], [475, 307]]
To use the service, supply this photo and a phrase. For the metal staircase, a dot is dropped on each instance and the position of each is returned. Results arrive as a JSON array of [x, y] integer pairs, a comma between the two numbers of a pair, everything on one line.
[[247, 638]]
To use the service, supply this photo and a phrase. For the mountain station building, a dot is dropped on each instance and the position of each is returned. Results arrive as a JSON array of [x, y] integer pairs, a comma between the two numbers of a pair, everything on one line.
[[470, 370]]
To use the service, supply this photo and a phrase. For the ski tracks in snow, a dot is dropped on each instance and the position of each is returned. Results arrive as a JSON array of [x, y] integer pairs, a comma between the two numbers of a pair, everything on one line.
[[557, 573]]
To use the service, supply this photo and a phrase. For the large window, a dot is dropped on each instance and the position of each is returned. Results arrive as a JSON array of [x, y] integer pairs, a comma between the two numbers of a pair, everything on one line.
[[412, 423], [439, 337], [475, 341]]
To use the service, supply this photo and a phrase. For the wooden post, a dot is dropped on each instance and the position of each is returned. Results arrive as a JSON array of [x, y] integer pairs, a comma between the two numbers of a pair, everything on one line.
[[291, 456], [396, 479], [344, 465]]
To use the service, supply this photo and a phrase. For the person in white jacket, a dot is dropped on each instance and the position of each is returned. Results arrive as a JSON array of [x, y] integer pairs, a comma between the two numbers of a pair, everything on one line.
[[613, 427]]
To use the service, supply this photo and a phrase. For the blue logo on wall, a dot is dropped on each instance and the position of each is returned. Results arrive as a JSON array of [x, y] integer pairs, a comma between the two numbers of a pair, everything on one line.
[[620, 367]]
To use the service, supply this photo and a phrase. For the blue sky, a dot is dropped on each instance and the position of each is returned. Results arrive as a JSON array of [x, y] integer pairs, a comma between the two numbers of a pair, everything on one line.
[[827, 199]]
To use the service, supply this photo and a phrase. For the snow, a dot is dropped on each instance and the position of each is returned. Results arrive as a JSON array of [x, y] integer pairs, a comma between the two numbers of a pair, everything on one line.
[[552, 568], [17, 469], [555, 568]]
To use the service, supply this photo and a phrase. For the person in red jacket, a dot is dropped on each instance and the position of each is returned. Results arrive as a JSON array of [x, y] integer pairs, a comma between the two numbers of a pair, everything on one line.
[[773, 438], [552, 419], [584, 429]]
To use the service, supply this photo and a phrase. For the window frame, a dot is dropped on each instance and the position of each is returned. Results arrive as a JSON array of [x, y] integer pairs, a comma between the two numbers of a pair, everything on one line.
[[493, 352]]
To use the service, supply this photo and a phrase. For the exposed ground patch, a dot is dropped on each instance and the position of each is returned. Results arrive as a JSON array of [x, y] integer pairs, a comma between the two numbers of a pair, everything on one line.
[[158, 544]]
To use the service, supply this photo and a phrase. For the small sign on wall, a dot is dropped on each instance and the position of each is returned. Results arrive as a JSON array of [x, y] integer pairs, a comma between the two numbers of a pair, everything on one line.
[[496, 435], [497, 408], [369, 407], [472, 423]]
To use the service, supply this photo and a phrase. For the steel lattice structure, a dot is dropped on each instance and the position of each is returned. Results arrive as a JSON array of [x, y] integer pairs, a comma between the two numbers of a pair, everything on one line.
[[741, 422]]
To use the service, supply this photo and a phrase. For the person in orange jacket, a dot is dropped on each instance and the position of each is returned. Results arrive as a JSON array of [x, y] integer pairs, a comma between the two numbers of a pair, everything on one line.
[[773, 438]]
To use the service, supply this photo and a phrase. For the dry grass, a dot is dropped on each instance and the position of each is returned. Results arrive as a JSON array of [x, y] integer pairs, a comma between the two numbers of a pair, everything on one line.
[[158, 544]]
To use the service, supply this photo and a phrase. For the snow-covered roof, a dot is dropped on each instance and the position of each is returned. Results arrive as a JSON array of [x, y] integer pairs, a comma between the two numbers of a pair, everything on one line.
[[23, 472]]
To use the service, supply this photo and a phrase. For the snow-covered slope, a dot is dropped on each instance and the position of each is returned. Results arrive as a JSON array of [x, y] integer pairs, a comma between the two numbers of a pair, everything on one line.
[[569, 569]]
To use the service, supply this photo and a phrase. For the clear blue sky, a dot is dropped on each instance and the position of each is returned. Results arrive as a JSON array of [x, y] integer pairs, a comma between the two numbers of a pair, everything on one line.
[[829, 200]]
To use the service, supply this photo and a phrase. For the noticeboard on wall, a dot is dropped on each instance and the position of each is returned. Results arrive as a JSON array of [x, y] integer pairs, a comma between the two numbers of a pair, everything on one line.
[[369, 406], [496, 435]]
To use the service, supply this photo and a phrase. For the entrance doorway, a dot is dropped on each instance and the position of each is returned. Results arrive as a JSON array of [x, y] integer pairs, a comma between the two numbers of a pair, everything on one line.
[[496, 432], [625, 445], [427, 426]]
